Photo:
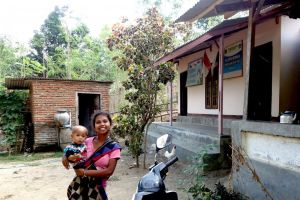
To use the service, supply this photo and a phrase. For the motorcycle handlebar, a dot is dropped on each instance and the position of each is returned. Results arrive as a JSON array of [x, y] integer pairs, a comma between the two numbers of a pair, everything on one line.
[[171, 162]]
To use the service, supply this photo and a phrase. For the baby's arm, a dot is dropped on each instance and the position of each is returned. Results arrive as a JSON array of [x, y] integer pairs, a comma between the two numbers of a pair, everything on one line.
[[70, 154], [74, 157]]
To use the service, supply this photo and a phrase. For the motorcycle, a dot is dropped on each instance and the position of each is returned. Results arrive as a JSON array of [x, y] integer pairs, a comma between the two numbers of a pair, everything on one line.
[[151, 186]]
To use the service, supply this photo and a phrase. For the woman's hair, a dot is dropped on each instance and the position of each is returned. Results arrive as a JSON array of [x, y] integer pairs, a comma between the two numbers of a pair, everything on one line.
[[98, 113]]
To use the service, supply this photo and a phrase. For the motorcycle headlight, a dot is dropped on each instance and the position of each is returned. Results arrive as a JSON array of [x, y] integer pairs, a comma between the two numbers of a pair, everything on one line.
[[149, 183]]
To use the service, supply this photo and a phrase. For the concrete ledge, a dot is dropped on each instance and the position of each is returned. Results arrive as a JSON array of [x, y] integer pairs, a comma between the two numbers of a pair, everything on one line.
[[209, 121], [280, 183], [191, 141], [262, 164]]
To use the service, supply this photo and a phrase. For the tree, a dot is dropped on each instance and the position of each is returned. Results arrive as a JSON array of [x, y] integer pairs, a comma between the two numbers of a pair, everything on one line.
[[49, 44], [31, 68], [7, 57], [170, 10], [10, 59], [70, 53], [204, 24], [139, 46]]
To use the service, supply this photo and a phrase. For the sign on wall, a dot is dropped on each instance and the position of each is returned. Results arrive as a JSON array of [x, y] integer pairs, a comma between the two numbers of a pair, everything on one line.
[[195, 73], [233, 60]]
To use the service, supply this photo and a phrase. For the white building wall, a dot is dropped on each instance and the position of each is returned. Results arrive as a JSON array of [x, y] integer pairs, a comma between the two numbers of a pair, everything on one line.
[[233, 97], [290, 62]]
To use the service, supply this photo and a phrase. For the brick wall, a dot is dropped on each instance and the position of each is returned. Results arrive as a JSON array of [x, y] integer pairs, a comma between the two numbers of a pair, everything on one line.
[[48, 96]]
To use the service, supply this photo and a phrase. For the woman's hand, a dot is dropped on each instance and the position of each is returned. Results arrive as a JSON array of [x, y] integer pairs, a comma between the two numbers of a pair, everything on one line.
[[79, 172], [65, 162]]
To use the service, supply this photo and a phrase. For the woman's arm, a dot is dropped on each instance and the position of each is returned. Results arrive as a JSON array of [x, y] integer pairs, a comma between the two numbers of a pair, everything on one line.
[[106, 172]]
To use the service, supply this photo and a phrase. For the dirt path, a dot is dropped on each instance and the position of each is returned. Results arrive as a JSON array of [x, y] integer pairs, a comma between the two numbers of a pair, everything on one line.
[[47, 179]]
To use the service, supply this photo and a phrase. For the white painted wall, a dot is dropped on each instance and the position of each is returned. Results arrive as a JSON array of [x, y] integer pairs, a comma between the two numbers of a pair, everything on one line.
[[290, 62], [275, 150], [233, 98]]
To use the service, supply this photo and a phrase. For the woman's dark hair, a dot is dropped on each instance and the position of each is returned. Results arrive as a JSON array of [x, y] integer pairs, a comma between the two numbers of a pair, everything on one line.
[[98, 113]]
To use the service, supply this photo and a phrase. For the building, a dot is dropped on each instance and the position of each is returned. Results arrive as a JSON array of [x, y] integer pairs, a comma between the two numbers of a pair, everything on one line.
[[80, 98], [250, 75]]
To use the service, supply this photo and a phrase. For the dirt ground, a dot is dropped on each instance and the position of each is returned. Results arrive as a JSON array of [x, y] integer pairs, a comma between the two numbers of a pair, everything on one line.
[[48, 179]]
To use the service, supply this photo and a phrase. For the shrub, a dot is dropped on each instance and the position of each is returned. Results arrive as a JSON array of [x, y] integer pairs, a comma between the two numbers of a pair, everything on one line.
[[12, 105]]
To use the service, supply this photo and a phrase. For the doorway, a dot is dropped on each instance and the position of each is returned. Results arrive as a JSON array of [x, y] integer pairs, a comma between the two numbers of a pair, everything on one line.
[[183, 94], [87, 105], [260, 83]]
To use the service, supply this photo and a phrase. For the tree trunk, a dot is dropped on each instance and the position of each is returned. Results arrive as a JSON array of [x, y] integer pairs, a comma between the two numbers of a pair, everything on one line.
[[145, 143], [137, 161]]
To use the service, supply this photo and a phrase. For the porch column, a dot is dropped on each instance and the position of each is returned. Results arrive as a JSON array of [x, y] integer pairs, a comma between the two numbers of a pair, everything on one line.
[[171, 103], [221, 64], [253, 14]]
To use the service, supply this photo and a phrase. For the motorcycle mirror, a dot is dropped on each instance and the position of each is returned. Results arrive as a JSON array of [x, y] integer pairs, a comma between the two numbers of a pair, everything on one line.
[[163, 141]]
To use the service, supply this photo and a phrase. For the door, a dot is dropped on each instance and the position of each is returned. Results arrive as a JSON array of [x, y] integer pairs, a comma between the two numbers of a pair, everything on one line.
[[260, 83], [87, 104], [183, 94]]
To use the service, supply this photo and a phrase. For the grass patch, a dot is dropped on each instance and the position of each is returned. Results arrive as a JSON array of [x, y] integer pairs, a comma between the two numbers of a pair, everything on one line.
[[4, 157], [125, 153]]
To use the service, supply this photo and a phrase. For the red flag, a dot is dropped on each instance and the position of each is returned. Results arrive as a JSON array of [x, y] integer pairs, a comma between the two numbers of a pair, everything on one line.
[[206, 61]]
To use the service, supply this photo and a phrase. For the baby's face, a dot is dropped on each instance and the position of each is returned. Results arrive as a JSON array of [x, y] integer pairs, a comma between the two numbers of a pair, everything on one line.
[[79, 137]]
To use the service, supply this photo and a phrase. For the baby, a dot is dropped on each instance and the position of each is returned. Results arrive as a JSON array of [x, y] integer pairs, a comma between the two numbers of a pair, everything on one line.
[[76, 151]]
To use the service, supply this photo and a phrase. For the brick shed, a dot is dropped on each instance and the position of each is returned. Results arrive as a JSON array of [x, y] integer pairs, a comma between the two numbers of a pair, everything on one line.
[[46, 96]]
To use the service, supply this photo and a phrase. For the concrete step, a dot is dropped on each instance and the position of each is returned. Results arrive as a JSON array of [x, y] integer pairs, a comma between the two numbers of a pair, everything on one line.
[[192, 139], [188, 140]]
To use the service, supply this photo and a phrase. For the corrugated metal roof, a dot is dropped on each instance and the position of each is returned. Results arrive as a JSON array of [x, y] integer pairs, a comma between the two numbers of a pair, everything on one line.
[[24, 83], [204, 41], [193, 12], [209, 8]]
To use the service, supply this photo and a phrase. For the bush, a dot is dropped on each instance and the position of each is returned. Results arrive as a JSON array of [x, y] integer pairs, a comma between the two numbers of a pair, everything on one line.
[[12, 105], [199, 190]]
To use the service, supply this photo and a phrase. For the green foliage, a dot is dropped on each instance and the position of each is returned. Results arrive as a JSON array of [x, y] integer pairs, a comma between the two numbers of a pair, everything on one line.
[[72, 53], [197, 187], [205, 24], [201, 192], [53, 32], [170, 9], [49, 44], [11, 119], [9, 59], [31, 68], [5, 158], [139, 46]]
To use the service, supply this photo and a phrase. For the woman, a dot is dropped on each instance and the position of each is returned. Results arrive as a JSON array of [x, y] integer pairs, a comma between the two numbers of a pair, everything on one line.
[[103, 155]]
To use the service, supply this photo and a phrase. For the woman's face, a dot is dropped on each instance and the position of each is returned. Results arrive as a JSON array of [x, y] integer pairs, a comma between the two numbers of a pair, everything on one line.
[[102, 124]]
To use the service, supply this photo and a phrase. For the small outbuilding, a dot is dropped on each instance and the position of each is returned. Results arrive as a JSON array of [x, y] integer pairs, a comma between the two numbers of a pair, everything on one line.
[[47, 96]]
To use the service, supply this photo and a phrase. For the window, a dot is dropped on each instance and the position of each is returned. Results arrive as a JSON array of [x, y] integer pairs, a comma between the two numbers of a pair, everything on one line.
[[211, 89]]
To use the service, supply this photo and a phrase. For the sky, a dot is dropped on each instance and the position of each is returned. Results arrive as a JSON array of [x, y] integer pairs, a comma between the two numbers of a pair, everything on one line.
[[19, 18]]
